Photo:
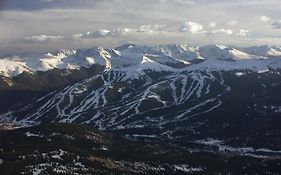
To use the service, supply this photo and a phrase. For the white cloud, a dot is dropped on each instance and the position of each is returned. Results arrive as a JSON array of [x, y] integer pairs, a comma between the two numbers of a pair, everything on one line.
[[192, 27], [212, 24], [104, 33], [77, 36], [151, 28], [277, 24], [232, 23], [122, 31], [222, 32], [185, 1], [264, 18], [95, 34], [144, 29], [242, 32], [42, 38]]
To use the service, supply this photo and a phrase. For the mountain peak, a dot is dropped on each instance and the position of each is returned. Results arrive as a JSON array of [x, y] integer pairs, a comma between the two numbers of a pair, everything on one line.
[[263, 50], [126, 46]]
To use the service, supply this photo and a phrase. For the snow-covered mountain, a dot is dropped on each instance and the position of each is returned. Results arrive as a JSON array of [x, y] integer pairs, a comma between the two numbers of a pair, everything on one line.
[[168, 91], [265, 51], [174, 56], [221, 52]]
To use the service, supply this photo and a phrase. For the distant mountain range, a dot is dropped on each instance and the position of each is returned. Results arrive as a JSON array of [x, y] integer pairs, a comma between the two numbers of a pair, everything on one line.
[[174, 56]]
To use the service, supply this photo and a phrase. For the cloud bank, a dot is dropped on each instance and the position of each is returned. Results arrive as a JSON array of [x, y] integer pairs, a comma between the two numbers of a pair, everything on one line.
[[39, 25]]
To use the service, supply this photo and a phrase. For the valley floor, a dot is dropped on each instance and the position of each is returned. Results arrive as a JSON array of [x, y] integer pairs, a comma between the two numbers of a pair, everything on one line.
[[77, 149]]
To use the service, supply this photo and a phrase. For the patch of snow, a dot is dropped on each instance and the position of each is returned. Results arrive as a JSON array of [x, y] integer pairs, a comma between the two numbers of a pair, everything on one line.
[[263, 71], [239, 74], [58, 154], [266, 150], [29, 134], [37, 171], [276, 109], [143, 135], [104, 148], [249, 151], [239, 55], [211, 142], [187, 168]]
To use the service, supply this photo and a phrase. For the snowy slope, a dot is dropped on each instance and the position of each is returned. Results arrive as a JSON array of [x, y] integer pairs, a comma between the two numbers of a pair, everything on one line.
[[225, 53], [10, 67], [168, 57], [182, 52], [265, 50]]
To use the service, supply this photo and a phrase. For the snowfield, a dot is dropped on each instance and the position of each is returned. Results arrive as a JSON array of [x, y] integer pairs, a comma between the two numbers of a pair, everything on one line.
[[163, 57]]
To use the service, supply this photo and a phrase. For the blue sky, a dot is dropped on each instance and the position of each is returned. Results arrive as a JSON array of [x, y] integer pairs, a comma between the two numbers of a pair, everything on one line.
[[46, 25]]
